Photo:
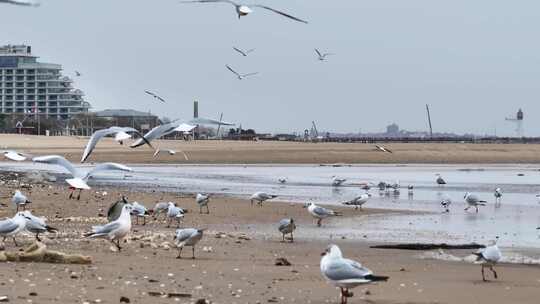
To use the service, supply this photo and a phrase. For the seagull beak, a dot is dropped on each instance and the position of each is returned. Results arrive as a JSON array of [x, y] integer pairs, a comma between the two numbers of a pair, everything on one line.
[[323, 253]]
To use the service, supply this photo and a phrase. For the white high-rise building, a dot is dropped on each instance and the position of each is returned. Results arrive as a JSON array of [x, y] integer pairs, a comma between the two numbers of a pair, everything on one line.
[[29, 87]]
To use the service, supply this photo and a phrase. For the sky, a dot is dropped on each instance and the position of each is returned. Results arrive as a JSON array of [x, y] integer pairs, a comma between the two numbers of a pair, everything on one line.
[[473, 62]]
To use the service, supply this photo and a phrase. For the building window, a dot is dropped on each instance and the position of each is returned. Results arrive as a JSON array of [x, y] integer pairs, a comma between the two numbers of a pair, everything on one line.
[[53, 97], [31, 91], [9, 72], [9, 91], [41, 91], [30, 97], [42, 84], [41, 104], [20, 84], [8, 85], [30, 71], [20, 91], [41, 97], [9, 97], [20, 72], [20, 104], [31, 84], [9, 104], [30, 78], [20, 78], [9, 78]]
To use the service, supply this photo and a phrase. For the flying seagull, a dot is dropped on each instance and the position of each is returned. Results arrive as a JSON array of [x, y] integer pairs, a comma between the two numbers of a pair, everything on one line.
[[155, 96], [15, 156], [322, 56], [79, 177], [21, 2], [243, 9], [121, 134], [345, 273], [157, 132], [383, 149], [240, 76], [488, 257], [244, 53], [77, 73]]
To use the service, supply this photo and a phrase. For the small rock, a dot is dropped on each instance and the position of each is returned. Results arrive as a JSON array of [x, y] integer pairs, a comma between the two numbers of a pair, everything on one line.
[[33, 294], [124, 300], [4, 299], [282, 262]]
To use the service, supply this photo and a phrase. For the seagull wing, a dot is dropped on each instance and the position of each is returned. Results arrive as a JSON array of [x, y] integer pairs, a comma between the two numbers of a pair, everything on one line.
[[279, 12], [240, 51], [250, 74], [108, 167], [21, 2], [249, 51], [57, 160], [318, 53], [230, 69], [345, 269], [94, 140], [211, 1], [133, 130], [7, 226]]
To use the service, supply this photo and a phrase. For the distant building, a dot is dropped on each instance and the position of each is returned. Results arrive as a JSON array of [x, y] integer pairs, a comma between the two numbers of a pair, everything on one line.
[[392, 129], [28, 86], [127, 118]]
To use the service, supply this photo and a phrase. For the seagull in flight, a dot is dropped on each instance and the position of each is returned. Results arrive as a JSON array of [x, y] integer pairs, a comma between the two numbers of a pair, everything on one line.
[[78, 74], [240, 76], [121, 134], [156, 96], [21, 2], [322, 56], [383, 149], [243, 9], [244, 53], [15, 156]]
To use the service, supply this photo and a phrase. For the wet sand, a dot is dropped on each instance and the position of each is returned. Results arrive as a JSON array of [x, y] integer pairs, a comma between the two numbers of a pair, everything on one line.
[[240, 267], [235, 152]]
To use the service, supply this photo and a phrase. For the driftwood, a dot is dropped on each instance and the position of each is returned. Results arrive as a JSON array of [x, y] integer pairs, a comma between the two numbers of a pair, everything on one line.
[[429, 246], [38, 252]]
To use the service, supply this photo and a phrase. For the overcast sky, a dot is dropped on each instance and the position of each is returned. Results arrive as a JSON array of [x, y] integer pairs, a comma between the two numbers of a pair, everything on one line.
[[474, 62]]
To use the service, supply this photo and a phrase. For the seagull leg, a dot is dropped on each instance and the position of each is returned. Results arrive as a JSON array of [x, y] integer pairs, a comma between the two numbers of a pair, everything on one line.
[[494, 272], [70, 194], [251, 203], [283, 237], [200, 209], [207, 210], [15, 241], [476, 209], [17, 208], [292, 238], [319, 222], [193, 252], [483, 276], [37, 237], [179, 256], [117, 244], [467, 208]]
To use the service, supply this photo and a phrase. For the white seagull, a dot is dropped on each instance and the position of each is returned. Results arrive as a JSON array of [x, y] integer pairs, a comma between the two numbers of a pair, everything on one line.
[[440, 181], [498, 195], [287, 226], [473, 201], [174, 212], [488, 257], [337, 181], [115, 230], [20, 200], [358, 201], [261, 197], [36, 224], [77, 73], [160, 208], [282, 180], [21, 2], [322, 56], [121, 134], [202, 200], [12, 226], [240, 76], [15, 156], [157, 132], [446, 202], [156, 96], [187, 237], [79, 177], [244, 53], [320, 213], [345, 273], [243, 9], [383, 149], [139, 211]]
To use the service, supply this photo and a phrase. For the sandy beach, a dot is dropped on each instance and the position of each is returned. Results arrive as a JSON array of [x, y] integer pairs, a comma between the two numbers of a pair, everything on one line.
[[241, 152], [239, 267]]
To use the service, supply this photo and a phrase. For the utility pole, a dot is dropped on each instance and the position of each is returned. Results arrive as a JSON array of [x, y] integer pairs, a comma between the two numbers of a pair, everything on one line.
[[429, 121]]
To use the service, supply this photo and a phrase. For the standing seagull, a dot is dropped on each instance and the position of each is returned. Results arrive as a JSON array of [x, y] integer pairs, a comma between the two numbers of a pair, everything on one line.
[[240, 76], [261, 197], [282, 180], [243, 10], [12, 226], [115, 230], [488, 257], [473, 201], [287, 226], [446, 202], [138, 211], [156, 96], [322, 56], [21, 2], [174, 212], [244, 53], [498, 195], [202, 200], [120, 133], [337, 181], [36, 224], [187, 237], [79, 177], [358, 201], [345, 273], [320, 213], [20, 200], [440, 181]]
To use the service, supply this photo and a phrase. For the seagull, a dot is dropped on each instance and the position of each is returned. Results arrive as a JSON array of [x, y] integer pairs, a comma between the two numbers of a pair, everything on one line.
[[336, 181], [282, 180], [21, 2], [202, 200], [358, 201], [440, 181], [115, 230], [159, 208], [79, 177], [243, 10], [320, 213], [244, 53], [187, 237], [121, 134], [15, 156], [155, 96], [156, 132], [287, 226], [12, 226], [488, 257], [446, 202], [410, 189], [345, 273], [36, 224], [498, 195], [174, 212], [170, 152], [261, 197], [138, 211], [473, 201], [240, 76], [322, 56], [20, 200], [77, 73], [383, 149]]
